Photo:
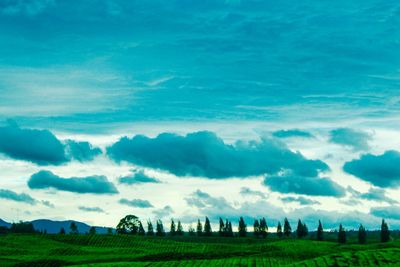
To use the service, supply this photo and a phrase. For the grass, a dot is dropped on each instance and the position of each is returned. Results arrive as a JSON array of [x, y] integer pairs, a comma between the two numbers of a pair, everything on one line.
[[125, 250]]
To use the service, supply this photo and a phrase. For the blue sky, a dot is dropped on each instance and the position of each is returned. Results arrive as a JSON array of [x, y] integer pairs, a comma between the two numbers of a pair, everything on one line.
[[155, 101]]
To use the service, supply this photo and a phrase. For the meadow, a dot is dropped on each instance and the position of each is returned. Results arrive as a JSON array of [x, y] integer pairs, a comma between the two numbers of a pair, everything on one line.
[[129, 250]]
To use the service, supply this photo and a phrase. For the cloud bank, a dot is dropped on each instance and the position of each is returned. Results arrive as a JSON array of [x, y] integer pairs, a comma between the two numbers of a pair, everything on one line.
[[37, 146], [81, 185], [204, 154], [42, 147], [81, 151], [379, 170], [313, 186]]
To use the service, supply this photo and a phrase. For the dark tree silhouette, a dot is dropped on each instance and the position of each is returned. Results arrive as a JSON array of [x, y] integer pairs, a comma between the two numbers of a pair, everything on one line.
[[362, 235], [385, 233], [207, 228], [109, 231], [199, 228], [287, 229], [150, 229], [160, 228], [73, 228], [302, 230], [62, 231], [299, 230], [229, 231], [221, 227], [141, 229], [320, 231], [128, 225], [279, 230], [172, 230], [22, 228], [263, 228], [305, 230], [342, 235], [242, 228], [92, 230], [179, 229], [256, 228]]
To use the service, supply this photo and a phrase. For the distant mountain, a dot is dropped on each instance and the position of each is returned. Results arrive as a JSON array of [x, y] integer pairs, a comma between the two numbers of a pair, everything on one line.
[[53, 227], [4, 223]]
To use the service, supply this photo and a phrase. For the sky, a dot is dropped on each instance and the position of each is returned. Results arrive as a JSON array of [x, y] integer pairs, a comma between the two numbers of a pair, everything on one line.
[[185, 109]]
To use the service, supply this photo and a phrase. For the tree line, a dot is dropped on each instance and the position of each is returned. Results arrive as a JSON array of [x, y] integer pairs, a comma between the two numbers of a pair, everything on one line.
[[131, 224]]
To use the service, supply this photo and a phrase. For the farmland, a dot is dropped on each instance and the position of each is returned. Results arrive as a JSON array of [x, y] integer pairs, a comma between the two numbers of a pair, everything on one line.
[[128, 250]]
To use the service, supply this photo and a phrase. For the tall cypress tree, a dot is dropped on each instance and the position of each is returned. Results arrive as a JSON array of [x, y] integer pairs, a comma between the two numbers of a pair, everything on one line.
[[342, 235], [320, 231], [279, 230], [300, 230], [141, 229], [172, 230], [263, 228], [150, 229], [207, 228], [229, 230], [221, 227], [242, 228], [160, 229], [362, 235], [199, 228], [385, 233], [305, 230], [179, 229], [256, 228], [287, 229]]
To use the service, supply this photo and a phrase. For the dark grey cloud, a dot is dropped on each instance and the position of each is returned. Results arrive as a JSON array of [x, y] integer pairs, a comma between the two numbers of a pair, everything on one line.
[[380, 170], [82, 185], [137, 203], [204, 154], [292, 133], [354, 139], [313, 186], [37, 146], [91, 209], [392, 212], [81, 151], [11, 195], [42, 147], [300, 200], [375, 194], [245, 191], [163, 212], [137, 177]]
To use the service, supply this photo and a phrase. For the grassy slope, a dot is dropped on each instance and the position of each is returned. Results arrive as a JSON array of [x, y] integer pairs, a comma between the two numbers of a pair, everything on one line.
[[100, 250]]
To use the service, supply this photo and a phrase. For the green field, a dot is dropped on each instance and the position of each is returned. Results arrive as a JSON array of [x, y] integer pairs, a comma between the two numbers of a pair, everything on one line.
[[126, 250]]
